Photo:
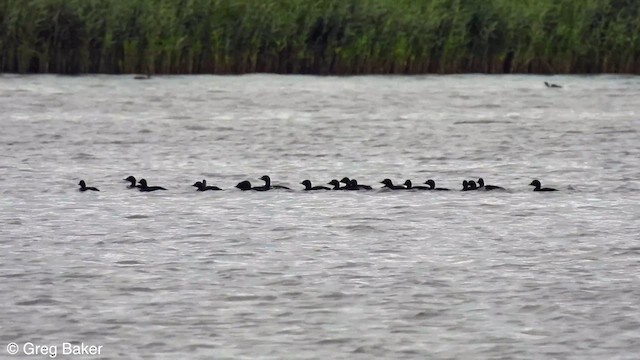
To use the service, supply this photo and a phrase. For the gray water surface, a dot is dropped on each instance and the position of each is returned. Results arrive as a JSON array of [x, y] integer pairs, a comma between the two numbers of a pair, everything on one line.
[[328, 275]]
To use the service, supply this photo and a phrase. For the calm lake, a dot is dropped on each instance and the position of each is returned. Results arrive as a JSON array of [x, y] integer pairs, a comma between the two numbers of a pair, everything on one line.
[[181, 274]]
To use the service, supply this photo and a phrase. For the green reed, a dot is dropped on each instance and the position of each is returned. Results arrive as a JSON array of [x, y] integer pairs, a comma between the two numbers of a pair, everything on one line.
[[320, 36]]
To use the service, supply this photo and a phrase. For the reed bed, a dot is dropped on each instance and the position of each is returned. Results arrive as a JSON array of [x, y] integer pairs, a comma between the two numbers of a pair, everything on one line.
[[342, 37]]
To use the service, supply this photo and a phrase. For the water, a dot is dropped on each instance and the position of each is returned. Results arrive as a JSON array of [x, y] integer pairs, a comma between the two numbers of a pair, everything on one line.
[[335, 275]]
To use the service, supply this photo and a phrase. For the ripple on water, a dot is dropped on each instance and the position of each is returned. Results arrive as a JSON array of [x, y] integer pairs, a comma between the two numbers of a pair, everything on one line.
[[129, 262], [196, 128], [136, 289], [137, 216], [481, 122], [38, 301], [243, 298]]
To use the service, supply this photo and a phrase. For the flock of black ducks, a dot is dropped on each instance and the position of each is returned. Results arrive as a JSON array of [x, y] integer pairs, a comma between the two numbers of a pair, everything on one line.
[[344, 184]]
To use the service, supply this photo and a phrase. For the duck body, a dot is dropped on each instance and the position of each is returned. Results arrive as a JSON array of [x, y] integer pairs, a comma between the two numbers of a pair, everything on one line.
[[554, 86], [432, 185], [348, 184], [84, 187], [308, 187], [469, 185], [353, 185], [146, 188], [482, 186], [409, 186], [202, 186], [336, 185], [244, 185], [208, 187], [267, 185], [538, 186], [132, 181], [388, 184]]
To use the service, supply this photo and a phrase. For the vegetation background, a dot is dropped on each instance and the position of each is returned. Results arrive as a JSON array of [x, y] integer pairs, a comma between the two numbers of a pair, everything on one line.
[[340, 37]]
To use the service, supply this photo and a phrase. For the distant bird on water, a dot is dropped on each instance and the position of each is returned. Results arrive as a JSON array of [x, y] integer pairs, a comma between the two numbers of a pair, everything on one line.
[[202, 186], [482, 186], [308, 187], [552, 85], [469, 185], [388, 184], [538, 186], [432, 185], [353, 185], [132, 180], [267, 184], [146, 188], [409, 186], [336, 185], [84, 187], [146, 76], [246, 185]]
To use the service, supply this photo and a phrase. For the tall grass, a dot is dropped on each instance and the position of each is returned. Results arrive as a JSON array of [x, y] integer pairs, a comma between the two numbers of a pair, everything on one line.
[[320, 36]]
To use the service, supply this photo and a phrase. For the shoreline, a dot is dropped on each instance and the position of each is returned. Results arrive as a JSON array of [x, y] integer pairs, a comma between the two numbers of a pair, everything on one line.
[[350, 37]]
